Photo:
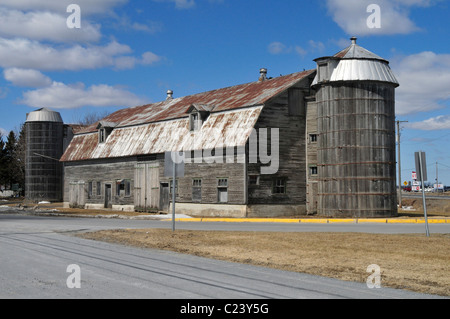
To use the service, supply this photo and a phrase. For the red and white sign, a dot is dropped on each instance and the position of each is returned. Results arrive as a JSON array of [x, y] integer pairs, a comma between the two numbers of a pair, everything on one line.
[[414, 175]]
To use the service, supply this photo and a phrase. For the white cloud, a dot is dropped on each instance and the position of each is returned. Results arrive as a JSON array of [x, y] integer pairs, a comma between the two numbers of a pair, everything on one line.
[[276, 48], [62, 96], [316, 46], [300, 51], [149, 58], [88, 7], [28, 54], [44, 25], [180, 4], [424, 79], [26, 78], [3, 92], [352, 15], [441, 122]]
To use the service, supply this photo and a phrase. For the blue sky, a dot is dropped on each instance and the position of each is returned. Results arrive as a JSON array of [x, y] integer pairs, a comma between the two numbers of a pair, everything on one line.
[[130, 52]]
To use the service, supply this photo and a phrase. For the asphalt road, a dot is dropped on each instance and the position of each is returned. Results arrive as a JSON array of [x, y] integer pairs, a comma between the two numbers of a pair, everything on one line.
[[37, 251]]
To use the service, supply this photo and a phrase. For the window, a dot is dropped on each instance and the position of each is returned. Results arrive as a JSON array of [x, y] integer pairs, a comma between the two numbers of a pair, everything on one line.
[[120, 188], [194, 122], [123, 188], [127, 188], [99, 189], [197, 116], [196, 190], [101, 136], [279, 186], [90, 189], [222, 190], [313, 138], [313, 170], [253, 180]]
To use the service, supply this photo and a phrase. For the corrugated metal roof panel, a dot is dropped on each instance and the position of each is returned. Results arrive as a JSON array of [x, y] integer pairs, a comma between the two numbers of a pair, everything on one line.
[[225, 129], [355, 51], [363, 70], [44, 115], [239, 96]]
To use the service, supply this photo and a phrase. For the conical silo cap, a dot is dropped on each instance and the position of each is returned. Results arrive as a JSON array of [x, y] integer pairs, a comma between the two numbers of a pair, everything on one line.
[[44, 115]]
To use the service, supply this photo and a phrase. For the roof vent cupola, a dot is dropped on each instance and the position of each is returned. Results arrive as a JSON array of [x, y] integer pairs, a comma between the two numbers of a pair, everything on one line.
[[169, 95], [262, 75]]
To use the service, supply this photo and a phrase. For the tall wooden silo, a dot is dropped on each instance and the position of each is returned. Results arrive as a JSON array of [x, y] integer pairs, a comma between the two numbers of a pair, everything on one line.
[[356, 134], [43, 171]]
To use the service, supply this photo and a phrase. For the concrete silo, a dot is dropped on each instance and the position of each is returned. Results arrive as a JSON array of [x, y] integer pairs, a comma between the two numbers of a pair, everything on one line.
[[356, 134], [43, 171]]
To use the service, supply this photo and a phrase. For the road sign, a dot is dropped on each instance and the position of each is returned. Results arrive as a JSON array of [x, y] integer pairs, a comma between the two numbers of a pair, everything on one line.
[[405, 183], [169, 159], [414, 176], [421, 166], [173, 167]]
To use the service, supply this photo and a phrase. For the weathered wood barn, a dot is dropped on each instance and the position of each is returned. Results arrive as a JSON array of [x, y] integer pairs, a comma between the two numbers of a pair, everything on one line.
[[318, 141]]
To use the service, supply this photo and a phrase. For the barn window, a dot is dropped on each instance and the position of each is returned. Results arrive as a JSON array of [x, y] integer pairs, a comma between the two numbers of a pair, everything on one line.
[[253, 180], [198, 114], [222, 190], [313, 170], [99, 189], [90, 189], [279, 186], [313, 138], [123, 188], [101, 136], [196, 190], [104, 130]]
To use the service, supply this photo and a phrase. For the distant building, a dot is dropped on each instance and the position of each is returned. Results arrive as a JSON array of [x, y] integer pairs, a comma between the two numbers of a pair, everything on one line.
[[320, 141]]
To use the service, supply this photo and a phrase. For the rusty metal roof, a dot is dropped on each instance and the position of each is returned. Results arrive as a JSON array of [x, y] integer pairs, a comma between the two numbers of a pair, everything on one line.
[[244, 95], [226, 129], [164, 126]]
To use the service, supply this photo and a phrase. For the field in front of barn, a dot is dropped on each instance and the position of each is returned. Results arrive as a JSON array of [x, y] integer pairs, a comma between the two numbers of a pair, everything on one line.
[[413, 262]]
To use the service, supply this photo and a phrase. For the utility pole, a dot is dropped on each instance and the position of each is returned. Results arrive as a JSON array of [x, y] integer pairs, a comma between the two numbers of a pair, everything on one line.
[[399, 165], [437, 179]]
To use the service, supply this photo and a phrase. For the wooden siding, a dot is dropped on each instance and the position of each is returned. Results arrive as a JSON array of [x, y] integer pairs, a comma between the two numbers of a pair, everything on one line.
[[145, 179], [356, 150], [105, 172], [288, 113], [311, 157]]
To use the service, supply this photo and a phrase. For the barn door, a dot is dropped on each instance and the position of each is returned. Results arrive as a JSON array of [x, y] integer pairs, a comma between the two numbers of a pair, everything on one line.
[[77, 194], [108, 196], [164, 197], [73, 194], [147, 186]]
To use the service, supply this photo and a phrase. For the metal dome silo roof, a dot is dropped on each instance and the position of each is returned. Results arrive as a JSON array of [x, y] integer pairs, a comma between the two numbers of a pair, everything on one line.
[[44, 115], [359, 64]]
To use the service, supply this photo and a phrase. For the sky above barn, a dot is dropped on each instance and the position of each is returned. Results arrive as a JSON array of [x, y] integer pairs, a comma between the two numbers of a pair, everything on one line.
[[104, 55]]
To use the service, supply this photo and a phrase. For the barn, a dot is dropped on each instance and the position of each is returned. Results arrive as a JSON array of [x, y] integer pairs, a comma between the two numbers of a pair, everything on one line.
[[319, 141]]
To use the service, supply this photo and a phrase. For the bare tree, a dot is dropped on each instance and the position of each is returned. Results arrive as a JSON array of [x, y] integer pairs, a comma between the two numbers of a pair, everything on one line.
[[90, 118]]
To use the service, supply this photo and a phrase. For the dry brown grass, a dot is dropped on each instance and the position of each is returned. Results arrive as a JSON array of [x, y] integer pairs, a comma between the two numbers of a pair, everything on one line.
[[435, 207], [411, 262]]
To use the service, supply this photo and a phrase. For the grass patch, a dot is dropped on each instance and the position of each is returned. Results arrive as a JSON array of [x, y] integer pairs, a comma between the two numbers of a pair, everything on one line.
[[412, 262]]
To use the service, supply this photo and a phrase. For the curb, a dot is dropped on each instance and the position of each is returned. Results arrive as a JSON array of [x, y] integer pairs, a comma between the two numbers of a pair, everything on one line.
[[254, 220], [317, 220]]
